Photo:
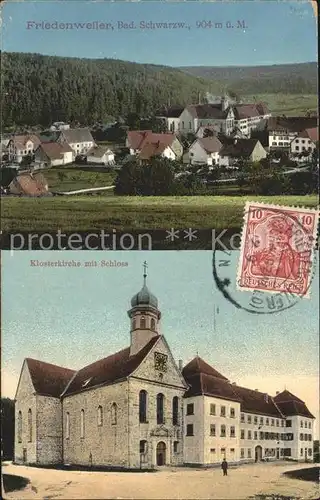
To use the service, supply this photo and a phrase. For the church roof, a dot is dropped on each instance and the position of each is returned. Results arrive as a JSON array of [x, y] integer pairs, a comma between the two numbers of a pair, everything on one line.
[[108, 370], [48, 379]]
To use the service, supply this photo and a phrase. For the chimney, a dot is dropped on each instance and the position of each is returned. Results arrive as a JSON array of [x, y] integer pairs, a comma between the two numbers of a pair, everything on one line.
[[180, 365]]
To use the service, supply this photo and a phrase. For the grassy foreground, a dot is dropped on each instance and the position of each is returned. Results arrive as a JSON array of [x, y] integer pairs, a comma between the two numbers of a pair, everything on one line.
[[77, 177], [83, 213]]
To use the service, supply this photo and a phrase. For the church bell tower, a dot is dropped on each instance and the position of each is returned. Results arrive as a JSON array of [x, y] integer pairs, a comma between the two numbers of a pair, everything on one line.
[[144, 316]]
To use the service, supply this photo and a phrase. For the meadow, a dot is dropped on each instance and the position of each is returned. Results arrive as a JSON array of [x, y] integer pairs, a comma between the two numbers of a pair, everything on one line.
[[84, 213], [286, 104]]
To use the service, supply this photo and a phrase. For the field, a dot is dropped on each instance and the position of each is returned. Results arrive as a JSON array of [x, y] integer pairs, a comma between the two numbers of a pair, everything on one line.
[[286, 104], [77, 177], [83, 213], [252, 481]]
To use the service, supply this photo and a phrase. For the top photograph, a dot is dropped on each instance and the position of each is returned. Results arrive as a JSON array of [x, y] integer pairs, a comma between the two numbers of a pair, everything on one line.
[[155, 116]]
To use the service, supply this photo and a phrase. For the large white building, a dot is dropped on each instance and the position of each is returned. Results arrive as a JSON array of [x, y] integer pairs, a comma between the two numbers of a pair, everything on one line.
[[137, 408]]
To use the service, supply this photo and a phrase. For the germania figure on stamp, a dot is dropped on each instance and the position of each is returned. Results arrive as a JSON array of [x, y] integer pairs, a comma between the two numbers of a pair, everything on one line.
[[277, 248]]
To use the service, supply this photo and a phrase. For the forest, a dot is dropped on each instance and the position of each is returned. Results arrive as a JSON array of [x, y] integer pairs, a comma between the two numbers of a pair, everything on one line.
[[39, 90]]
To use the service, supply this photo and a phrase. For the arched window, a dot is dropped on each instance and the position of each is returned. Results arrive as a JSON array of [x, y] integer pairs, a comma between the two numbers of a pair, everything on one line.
[[153, 324], [175, 411], [143, 396], [82, 424], [100, 415], [160, 409], [29, 425], [142, 322], [134, 323], [67, 425], [113, 414], [20, 427]]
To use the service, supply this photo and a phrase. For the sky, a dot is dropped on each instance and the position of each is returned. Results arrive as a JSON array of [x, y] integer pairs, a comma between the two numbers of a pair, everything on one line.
[[276, 32], [73, 316]]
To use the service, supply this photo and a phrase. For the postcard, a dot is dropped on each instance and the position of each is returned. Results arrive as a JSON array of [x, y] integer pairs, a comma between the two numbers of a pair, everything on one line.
[[159, 250]]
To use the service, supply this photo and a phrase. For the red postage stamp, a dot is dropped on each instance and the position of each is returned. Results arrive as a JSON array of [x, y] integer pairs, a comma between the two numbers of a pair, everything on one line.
[[277, 248]]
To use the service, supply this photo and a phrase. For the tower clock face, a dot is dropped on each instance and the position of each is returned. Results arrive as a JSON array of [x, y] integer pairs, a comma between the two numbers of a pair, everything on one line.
[[160, 361]]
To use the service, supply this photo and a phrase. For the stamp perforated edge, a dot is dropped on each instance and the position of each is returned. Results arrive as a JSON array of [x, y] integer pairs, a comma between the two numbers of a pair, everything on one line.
[[283, 208]]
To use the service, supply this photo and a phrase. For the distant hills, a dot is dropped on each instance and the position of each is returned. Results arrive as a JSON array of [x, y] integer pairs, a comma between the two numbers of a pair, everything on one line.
[[282, 78], [39, 89]]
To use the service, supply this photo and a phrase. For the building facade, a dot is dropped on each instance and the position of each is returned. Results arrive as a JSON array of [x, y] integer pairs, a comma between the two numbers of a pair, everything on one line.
[[137, 408]]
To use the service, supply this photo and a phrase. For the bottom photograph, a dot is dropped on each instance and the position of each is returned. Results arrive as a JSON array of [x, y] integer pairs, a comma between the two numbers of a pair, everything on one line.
[[121, 363]]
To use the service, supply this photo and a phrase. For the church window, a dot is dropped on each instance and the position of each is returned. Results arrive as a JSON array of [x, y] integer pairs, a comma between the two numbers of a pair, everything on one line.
[[114, 414], [160, 409], [176, 447], [153, 324], [29, 425], [20, 427], [143, 322], [100, 415], [223, 431], [175, 411], [134, 324], [82, 424], [67, 425], [143, 446], [143, 396]]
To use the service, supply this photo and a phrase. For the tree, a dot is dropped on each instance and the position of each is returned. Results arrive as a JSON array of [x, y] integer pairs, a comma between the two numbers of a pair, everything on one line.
[[208, 133], [133, 121], [128, 181], [7, 428]]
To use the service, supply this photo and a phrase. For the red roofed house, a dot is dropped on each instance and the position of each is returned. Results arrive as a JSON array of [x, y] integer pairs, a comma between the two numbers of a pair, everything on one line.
[[138, 409], [305, 142], [52, 154], [145, 144], [22, 145]]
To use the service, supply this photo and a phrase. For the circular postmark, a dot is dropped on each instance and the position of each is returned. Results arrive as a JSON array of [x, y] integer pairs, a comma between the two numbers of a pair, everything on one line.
[[282, 250]]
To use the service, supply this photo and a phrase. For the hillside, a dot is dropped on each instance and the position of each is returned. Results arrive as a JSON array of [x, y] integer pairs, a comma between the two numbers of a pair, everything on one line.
[[40, 89], [286, 78]]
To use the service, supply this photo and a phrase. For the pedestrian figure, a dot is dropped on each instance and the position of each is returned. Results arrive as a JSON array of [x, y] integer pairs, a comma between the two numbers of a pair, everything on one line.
[[224, 467]]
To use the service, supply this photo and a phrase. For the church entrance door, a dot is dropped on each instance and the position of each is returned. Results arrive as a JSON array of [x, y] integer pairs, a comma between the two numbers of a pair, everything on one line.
[[161, 453], [258, 453]]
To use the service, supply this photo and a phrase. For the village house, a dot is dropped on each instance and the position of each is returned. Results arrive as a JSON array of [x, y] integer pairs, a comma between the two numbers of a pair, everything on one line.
[[250, 117], [171, 117], [29, 184], [241, 149], [218, 116], [53, 154], [101, 155], [138, 408], [283, 130], [204, 151], [20, 146], [145, 143], [305, 142], [79, 139]]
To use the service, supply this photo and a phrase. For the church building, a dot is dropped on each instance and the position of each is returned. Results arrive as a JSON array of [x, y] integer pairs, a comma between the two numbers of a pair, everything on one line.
[[138, 409]]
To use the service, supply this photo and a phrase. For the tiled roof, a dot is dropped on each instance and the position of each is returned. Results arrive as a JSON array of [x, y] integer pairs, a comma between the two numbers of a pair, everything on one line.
[[48, 379], [136, 137], [313, 133], [287, 396], [20, 141], [242, 111], [205, 380], [210, 144], [292, 123], [31, 184], [152, 149], [291, 408], [257, 402], [55, 150], [207, 111], [172, 112], [108, 370], [74, 135], [197, 365], [241, 147]]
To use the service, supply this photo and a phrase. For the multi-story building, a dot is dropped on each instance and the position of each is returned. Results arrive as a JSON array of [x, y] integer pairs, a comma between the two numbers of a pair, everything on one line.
[[137, 408]]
